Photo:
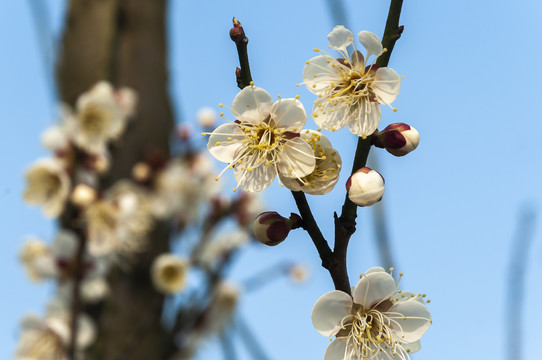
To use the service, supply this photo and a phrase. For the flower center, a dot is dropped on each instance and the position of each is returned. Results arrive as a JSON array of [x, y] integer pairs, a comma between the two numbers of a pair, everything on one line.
[[94, 120], [370, 333]]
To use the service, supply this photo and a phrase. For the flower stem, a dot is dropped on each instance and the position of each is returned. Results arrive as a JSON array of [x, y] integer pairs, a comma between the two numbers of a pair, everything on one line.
[[237, 34]]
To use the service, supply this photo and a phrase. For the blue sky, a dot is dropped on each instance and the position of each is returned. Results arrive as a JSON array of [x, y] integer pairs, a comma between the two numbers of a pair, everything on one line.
[[472, 91]]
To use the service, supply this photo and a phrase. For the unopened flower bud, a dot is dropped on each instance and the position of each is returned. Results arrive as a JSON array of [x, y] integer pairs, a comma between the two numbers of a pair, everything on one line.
[[271, 229], [141, 172], [83, 195], [237, 33], [365, 187], [398, 139]]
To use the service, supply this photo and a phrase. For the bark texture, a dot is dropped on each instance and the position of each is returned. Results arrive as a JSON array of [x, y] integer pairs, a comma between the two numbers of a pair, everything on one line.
[[124, 42]]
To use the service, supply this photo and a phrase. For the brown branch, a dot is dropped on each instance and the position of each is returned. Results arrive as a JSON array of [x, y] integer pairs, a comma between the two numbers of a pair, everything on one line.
[[345, 225], [237, 34]]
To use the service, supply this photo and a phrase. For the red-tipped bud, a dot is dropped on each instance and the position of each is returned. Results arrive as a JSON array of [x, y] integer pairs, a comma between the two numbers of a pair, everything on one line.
[[237, 33], [365, 187], [398, 139], [271, 229]]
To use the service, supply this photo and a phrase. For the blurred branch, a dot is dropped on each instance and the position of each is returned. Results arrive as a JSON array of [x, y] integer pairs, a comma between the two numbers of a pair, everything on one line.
[[337, 11], [247, 336], [266, 276], [46, 44], [228, 347], [517, 269]]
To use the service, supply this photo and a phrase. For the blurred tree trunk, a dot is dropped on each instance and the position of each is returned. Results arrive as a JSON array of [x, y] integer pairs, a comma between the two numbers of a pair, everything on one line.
[[124, 42]]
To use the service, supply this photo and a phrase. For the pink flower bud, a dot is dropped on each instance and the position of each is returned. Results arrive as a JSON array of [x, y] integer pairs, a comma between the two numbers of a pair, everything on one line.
[[398, 139], [365, 187], [271, 229]]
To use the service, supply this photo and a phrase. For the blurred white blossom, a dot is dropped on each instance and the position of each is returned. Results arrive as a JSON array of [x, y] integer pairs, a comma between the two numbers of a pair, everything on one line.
[[100, 116], [48, 185], [118, 223], [168, 273]]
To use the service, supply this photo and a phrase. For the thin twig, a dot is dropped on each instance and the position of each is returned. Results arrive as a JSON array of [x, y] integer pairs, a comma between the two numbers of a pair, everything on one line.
[[345, 225]]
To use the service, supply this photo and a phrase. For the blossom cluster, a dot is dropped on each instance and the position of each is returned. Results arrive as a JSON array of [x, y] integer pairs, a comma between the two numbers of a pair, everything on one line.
[[112, 224]]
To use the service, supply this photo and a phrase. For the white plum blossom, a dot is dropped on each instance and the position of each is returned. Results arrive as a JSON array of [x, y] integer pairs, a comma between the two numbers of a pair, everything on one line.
[[350, 89], [100, 116], [326, 171], [48, 338], [168, 273], [264, 140], [119, 223], [48, 184], [379, 322], [182, 187], [57, 261]]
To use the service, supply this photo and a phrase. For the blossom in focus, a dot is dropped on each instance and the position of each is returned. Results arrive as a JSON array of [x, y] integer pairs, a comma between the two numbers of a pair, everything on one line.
[[365, 187], [326, 170], [264, 141], [118, 223], [48, 338], [100, 116], [168, 273], [48, 185], [398, 139], [350, 89], [379, 322]]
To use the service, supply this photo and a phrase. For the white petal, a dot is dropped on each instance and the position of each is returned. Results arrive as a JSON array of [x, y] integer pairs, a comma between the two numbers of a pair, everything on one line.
[[289, 114], [412, 347], [297, 156], [411, 321], [386, 85], [370, 42], [374, 288], [336, 350], [291, 183], [319, 73], [329, 311], [340, 37], [331, 117], [321, 139], [220, 147], [65, 244], [251, 98], [375, 269], [368, 114], [256, 180]]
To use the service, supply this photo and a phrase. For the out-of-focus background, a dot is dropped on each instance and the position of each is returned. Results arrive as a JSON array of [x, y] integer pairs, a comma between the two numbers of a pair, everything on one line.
[[472, 89]]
